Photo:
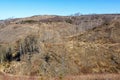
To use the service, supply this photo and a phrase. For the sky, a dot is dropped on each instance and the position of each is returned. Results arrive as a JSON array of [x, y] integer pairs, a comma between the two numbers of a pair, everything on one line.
[[25, 8]]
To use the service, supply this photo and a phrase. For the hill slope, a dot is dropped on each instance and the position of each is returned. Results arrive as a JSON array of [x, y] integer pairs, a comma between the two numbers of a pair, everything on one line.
[[58, 46]]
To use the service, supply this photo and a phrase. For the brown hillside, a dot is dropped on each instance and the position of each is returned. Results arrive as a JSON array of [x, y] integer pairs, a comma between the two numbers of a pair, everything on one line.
[[60, 45]]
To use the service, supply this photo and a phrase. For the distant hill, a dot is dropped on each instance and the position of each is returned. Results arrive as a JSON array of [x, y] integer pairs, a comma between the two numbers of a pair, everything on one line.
[[60, 45]]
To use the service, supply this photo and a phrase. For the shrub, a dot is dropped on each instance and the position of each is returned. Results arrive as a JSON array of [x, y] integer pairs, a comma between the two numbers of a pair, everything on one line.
[[68, 21], [28, 21]]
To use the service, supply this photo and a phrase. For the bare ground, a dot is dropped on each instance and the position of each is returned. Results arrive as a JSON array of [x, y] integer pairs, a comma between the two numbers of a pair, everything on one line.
[[4, 76]]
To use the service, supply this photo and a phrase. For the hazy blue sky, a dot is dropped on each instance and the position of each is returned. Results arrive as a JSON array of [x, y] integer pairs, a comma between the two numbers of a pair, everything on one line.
[[24, 8]]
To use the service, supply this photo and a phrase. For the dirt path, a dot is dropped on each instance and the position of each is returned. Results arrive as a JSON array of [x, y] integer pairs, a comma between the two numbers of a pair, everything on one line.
[[4, 76], [94, 77]]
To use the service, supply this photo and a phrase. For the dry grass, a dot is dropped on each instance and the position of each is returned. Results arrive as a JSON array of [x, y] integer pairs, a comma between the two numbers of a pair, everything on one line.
[[93, 47]]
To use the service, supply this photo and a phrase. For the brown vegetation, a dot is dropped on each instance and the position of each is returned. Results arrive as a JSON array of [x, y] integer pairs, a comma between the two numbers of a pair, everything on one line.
[[58, 46]]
